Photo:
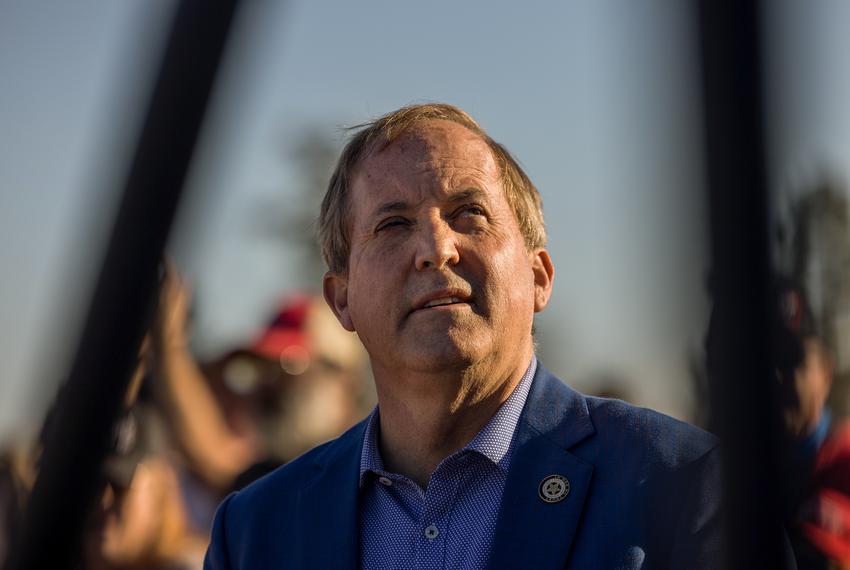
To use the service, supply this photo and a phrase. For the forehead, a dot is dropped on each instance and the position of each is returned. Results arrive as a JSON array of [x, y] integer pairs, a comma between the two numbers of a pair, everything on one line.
[[435, 156]]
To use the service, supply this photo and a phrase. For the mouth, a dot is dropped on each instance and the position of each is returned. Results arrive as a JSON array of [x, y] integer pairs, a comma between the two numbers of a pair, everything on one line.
[[442, 300]]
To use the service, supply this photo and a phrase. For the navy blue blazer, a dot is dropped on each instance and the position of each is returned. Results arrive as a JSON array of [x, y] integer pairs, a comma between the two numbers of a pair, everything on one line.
[[644, 493]]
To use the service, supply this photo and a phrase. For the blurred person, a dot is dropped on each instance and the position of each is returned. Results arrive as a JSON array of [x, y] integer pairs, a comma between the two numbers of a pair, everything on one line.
[[143, 518], [215, 450], [298, 384], [476, 456], [140, 520], [819, 447], [302, 380]]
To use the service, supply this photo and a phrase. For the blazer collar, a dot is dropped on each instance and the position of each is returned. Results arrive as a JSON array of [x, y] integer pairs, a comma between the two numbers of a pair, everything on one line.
[[327, 506], [530, 532], [555, 418]]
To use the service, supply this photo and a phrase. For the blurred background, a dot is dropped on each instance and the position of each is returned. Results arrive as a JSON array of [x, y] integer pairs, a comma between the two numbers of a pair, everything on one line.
[[599, 101]]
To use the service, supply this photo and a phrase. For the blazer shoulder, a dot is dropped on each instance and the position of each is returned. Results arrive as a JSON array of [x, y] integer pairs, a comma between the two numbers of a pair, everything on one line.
[[663, 439], [279, 489], [265, 521], [608, 430]]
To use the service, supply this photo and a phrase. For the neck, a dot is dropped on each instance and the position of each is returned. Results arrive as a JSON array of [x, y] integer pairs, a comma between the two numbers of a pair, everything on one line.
[[425, 417]]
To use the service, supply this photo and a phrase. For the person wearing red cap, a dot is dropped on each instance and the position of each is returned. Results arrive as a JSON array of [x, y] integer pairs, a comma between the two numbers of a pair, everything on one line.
[[297, 383], [303, 377]]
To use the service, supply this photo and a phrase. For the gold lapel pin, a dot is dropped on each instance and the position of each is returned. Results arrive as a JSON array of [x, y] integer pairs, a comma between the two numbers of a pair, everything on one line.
[[554, 488]]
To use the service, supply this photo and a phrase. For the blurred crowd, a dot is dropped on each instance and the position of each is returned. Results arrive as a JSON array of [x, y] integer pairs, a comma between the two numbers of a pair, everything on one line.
[[191, 432], [817, 451]]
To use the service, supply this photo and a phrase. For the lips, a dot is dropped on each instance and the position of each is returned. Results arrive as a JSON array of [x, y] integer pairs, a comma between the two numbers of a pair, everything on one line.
[[443, 301], [441, 298]]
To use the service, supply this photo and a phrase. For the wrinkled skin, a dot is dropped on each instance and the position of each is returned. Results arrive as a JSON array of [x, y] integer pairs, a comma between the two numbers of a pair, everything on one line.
[[430, 220]]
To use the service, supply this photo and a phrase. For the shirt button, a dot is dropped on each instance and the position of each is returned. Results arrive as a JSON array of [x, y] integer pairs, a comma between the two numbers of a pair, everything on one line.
[[385, 481], [431, 532]]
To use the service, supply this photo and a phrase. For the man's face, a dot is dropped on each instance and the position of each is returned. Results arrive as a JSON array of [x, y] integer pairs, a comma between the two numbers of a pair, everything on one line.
[[439, 276]]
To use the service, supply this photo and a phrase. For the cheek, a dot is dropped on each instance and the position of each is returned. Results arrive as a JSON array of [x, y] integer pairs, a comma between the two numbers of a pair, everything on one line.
[[370, 299], [511, 280]]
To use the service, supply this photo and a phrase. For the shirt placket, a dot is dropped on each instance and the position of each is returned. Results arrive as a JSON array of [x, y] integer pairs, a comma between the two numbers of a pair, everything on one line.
[[434, 525]]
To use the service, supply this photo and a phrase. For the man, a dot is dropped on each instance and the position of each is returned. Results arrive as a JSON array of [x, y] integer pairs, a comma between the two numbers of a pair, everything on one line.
[[476, 456]]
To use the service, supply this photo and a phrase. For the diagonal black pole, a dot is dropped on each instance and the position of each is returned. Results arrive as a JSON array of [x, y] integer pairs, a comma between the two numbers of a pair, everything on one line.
[[80, 432], [744, 405]]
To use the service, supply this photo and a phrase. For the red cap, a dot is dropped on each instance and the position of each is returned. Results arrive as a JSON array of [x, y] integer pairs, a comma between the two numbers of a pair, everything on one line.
[[286, 333]]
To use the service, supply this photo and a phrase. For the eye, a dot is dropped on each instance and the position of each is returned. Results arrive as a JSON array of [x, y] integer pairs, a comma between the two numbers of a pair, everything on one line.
[[470, 218], [471, 210], [390, 223]]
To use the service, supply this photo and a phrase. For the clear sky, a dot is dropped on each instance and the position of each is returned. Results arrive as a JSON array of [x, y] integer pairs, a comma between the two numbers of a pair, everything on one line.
[[598, 100]]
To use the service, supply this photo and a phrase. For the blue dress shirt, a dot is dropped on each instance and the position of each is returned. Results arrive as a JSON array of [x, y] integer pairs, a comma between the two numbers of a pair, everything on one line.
[[451, 524]]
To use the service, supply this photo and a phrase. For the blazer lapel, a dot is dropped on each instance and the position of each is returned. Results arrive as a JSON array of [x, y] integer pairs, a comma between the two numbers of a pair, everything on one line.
[[530, 532], [327, 520]]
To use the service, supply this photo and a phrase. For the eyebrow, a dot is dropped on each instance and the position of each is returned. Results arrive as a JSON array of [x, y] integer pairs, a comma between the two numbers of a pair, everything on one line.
[[401, 205], [466, 194], [389, 207]]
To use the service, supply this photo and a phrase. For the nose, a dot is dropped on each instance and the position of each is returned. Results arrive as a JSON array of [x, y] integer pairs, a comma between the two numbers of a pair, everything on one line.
[[436, 247]]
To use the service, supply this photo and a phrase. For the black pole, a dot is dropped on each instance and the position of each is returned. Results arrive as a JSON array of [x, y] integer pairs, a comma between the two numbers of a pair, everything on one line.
[[79, 437], [745, 411]]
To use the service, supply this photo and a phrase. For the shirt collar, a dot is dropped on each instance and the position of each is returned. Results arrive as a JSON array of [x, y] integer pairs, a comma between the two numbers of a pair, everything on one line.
[[370, 457], [493, 441]]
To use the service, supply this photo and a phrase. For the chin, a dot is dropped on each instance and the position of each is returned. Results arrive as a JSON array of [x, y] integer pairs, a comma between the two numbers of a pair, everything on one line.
[[442, 355]]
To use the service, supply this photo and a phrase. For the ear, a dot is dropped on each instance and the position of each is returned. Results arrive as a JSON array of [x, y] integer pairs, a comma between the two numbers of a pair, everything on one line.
[[544, 275], [335, 289]]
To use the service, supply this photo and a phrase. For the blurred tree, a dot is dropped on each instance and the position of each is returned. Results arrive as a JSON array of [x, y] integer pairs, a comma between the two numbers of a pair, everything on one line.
[[820, 252], [316, 155], [814, 249], [290, 216], [811, 246]]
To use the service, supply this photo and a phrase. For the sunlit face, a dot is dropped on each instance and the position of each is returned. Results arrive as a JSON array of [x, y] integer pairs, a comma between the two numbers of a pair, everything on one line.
[[439, 276]]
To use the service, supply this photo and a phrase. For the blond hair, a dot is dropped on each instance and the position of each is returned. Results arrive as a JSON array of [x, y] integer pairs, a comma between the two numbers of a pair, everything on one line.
[[333, 223]]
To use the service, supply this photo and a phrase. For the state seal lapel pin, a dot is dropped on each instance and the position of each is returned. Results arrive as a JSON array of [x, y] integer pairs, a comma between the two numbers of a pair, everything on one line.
[[554, 489]]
